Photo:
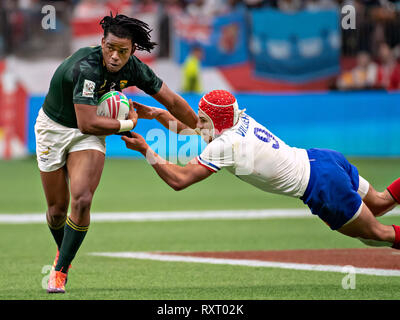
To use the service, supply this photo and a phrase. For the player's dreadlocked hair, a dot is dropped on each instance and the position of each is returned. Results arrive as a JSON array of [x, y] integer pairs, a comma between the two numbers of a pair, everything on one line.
[[128, 28]]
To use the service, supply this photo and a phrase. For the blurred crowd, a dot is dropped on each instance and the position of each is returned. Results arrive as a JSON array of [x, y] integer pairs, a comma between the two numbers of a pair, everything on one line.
[[209, 8], [374, 45], [217, 7], [381, 72]]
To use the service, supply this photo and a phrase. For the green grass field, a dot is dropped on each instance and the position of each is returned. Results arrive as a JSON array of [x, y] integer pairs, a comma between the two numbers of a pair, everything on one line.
[[131, 185]]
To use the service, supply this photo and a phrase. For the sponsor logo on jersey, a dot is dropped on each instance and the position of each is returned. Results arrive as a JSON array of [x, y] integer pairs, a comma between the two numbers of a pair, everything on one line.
[[88, 89]]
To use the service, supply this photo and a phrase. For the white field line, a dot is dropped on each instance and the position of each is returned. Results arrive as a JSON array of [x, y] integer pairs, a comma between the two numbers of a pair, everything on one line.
[[249, 263], [165, 215], [31, 218]]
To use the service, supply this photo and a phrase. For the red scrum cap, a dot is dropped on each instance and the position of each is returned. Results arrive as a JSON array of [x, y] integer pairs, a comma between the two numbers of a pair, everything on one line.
[[222, 108]]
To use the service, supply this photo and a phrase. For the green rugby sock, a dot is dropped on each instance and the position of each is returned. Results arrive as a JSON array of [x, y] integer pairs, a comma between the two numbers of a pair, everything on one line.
[[73, 237], [58, 234]]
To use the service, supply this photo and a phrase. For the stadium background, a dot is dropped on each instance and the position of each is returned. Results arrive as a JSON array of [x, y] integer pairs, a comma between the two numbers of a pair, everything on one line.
[[293, 67]]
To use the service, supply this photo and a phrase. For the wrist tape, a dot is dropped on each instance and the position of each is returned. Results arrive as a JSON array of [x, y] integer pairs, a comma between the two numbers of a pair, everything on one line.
[[125, 125]]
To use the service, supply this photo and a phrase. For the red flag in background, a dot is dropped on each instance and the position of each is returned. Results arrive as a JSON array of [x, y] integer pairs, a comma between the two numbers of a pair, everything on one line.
[[13, 101]]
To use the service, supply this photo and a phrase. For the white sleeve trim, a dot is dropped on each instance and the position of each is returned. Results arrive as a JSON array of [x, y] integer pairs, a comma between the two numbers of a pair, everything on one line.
[[363, 187]]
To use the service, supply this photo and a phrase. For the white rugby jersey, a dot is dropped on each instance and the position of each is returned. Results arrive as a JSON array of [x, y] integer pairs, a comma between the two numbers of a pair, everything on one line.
[[255, 155]]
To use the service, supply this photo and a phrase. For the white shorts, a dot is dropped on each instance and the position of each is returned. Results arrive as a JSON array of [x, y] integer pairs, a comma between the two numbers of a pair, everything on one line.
[[54, 141]]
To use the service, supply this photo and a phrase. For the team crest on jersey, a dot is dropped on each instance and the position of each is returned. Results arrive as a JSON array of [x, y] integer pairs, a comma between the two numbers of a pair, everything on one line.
[[88, 89], [123, 84]]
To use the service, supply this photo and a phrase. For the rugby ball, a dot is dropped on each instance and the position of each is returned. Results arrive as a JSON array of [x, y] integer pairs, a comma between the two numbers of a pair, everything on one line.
[[113, 104]]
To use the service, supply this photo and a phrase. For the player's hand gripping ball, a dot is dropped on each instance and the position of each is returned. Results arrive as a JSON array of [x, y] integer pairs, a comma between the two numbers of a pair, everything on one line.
[[113, 104]]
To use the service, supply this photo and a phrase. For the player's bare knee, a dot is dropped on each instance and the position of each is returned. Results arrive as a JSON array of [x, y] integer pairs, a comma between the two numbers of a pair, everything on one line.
[[80, 204], [56, 215], [379, 202], [57, 210], [383, 203]]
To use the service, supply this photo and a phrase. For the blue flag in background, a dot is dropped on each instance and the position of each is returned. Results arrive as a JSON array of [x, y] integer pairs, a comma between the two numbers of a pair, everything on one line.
[[299, 47], [223, 39]]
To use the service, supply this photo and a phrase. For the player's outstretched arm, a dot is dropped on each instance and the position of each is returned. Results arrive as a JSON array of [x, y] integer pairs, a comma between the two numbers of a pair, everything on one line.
[[175, 176], [178, 106], [163, 117], [90, 123]]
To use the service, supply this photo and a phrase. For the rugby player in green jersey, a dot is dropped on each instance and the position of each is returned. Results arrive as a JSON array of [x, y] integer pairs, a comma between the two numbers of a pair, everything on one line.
[[70, 137]]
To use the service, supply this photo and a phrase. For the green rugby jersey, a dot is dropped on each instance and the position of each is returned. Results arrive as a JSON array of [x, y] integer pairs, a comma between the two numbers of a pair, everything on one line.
[[83, 78]]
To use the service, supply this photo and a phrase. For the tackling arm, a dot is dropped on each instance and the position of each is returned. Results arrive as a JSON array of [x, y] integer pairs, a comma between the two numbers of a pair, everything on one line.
[[176, 105], [175, 176], [163, 117]]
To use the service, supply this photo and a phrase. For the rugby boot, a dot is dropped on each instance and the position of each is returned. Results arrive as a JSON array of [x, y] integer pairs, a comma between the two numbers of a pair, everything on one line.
[[56, 282], [53, 267]]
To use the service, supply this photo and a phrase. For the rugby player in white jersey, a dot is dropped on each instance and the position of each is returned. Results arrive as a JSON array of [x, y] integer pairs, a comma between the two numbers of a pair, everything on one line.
[[323, 179]]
